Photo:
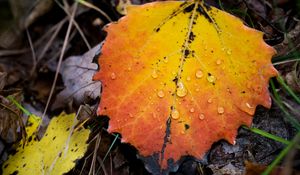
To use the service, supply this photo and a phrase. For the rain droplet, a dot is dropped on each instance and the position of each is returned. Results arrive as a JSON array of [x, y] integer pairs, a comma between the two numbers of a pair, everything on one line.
[[113, 76], [218, 62], [173, 72], [153, 115], [209, 100], [199, 74], [175, 114], [201, 116], [221, 110], [249, 106], [166, 60], [130, 115], [188, 78], [211, 78], [181, 90], [160, 94], [228, 52], [192, 110], [154, 74], [129, 68], [197, 89]]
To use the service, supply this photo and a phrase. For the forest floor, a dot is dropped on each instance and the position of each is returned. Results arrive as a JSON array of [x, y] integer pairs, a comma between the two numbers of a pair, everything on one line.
[[33, 42]]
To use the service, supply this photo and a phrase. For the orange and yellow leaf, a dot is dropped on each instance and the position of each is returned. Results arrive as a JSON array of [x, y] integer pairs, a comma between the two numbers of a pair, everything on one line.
[[179, 76]]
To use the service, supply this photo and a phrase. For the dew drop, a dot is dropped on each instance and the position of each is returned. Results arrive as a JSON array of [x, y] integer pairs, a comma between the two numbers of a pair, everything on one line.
[[249, 106], [166, 60], [218, 62], [173, 72], [221, 110], [199, 74], [211, 78], [160, 94], [130, 115], [201, 116], [113, 76], [153, 115], [175, 114], [129, 68], [209, 100], [197, 89], [154, 74], [192, 110], [181, 90], [228, 52], [188, 78]]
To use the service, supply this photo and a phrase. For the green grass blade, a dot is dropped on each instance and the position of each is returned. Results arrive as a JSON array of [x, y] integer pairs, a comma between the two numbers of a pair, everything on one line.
[[278, 101], [282, 154], [287, 88], [11, 98], [270, 136]]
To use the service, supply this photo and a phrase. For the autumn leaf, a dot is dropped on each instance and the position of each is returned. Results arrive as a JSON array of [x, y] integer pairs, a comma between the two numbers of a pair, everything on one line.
[[179, 76], [77, 72], [55, 153]]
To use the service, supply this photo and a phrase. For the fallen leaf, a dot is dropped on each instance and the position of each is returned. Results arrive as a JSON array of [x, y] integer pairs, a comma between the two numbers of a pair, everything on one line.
[[55, 153], [179, 76], [77, 72]]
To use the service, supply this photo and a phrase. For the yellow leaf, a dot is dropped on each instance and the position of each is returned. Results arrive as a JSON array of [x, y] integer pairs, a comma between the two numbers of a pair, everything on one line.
[[55, 153]]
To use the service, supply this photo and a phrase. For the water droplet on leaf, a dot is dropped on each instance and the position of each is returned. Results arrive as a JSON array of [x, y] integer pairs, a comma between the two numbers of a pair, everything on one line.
[[211, 78], [201, 116], [113, 76], [221, 110], [199, 74], [181, 90], [192, 110], [166, 60], [160, 94], [228, 52], [175, 114], [249, 106], [154, 74]]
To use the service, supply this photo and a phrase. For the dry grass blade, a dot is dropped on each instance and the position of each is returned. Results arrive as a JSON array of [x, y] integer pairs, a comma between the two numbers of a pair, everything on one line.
[[34, 60], [87, 4], [4, 53], [60, 60], [75, 24], [53, 36], [93, 164]]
